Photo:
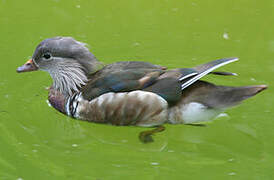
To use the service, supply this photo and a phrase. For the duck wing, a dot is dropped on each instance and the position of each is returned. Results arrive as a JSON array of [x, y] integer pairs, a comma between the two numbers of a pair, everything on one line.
[[171, 83], [122, 76], [133, 75]]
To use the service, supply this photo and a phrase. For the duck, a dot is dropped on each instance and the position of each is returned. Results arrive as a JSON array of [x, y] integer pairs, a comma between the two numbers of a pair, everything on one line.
[[131, 93]]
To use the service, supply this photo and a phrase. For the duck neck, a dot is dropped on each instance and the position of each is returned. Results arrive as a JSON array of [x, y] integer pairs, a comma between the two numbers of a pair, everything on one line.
[[68, 79]]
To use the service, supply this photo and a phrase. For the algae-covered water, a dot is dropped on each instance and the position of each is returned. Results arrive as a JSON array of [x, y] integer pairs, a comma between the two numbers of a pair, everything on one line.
[[37, 142]]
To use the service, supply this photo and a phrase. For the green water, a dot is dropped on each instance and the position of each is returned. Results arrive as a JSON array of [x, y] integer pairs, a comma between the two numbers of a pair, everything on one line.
[[37, 142]]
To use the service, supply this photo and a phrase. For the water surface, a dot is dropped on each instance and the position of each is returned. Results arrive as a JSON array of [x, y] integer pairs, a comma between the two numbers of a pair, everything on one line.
[[37, 142]]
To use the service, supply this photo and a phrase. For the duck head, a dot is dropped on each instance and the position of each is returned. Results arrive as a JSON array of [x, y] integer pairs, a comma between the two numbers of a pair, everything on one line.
[[68, 61]]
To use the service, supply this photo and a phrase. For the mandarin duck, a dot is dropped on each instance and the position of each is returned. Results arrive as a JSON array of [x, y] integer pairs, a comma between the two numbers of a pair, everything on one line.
[[131, 92]]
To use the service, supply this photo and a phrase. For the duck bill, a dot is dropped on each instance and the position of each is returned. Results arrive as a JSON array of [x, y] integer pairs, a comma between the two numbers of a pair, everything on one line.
[[28, 66]]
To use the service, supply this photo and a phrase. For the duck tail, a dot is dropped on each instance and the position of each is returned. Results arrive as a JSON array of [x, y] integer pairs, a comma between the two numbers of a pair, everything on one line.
[[234, 95], [219, 97]]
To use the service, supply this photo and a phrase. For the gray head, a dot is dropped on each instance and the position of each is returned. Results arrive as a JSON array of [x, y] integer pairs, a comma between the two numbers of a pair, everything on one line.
[[68, 62]]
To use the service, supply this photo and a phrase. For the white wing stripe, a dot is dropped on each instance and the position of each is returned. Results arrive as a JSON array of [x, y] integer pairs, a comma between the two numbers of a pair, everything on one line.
[[191, 81]]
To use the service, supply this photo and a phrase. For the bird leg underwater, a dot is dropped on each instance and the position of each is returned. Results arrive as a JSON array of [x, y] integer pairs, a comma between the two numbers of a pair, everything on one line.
[[146, 136], [197, 125]]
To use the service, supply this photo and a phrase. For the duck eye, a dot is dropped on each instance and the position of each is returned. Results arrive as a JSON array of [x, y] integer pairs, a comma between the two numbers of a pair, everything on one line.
[[47, 56]]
